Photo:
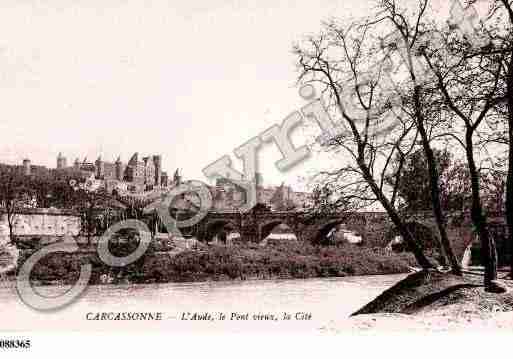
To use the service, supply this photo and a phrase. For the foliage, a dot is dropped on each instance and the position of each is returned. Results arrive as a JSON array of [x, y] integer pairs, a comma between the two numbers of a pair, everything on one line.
[[454, 183], [281, 259], [15, 193]]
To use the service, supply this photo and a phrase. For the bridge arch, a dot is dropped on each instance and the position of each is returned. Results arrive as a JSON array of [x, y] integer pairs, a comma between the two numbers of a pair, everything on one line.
[[322, 233], [325, 229], [472, 253], [219, 227], [424, 233], [267, 227]]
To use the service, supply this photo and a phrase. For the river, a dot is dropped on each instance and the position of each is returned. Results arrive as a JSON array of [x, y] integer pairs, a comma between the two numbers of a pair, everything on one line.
[[313, 305]]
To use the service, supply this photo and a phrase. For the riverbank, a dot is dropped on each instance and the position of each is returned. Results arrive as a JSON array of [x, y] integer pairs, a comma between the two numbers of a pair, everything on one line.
[[428, 291], [243, 261], [285, 260], [436, 302]]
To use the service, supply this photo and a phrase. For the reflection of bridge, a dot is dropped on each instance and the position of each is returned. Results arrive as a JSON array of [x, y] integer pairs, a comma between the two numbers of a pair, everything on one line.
[[374, 227]]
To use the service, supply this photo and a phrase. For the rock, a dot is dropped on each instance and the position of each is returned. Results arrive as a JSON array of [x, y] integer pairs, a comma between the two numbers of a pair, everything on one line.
[[497, 286]]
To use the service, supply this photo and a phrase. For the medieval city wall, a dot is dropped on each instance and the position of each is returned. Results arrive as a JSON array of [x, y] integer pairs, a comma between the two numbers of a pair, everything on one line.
[[42, 222]]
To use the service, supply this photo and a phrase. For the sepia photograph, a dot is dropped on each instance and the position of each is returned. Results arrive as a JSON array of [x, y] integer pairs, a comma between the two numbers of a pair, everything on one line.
[[340, 168]]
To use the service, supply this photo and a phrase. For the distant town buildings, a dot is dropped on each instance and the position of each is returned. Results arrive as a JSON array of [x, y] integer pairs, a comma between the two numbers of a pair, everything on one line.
[[137, 175], [28, 169], [142, 176], [227, 196]]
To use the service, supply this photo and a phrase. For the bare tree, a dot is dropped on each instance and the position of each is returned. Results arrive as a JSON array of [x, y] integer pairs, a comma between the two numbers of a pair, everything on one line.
[[90, 203], [507, 60], [339, 61], [405, 40], [14, 195], [469, 81]]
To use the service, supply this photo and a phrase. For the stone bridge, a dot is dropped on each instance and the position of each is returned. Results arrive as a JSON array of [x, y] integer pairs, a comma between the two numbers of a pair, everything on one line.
[[373, 227], [461, 233], [258, 223]]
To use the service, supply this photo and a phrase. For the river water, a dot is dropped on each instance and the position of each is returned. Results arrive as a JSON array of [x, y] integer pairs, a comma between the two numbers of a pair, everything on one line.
[[311, 305]]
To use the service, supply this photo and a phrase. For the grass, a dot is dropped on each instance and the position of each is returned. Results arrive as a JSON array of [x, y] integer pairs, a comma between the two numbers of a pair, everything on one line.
[[278, 259]]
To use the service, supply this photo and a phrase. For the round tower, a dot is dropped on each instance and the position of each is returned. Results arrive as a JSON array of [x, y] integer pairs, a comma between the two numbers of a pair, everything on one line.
[[177, 179], [259, 179], [61, 161], [119, 169], [26, 167], [157, 162], [100, 168]]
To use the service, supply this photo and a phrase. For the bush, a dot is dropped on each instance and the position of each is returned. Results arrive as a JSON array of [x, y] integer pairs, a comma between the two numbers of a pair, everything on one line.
[[286, 260], [283, 259]]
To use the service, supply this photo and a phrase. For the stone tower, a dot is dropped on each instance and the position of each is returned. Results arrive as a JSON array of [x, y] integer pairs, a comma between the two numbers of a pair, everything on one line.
[[100, 168], [259, 179], [61, 161], [26, 167], [157, 162], [132, 171], [177, 179], [119, 169], [77, 164]]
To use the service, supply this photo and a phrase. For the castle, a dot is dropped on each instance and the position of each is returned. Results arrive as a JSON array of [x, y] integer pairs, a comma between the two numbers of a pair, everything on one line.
[[142, 175], [227, 196], [139, 174]]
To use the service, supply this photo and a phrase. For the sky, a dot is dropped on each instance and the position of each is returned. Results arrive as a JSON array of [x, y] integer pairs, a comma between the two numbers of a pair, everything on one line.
[[190, 80]]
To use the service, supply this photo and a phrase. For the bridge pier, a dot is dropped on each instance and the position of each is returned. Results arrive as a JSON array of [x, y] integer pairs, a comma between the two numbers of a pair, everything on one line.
[[250, 234]]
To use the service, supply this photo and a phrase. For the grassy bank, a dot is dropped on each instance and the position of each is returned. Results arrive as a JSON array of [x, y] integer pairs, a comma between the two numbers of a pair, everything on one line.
[[283, 260], [237, 262]]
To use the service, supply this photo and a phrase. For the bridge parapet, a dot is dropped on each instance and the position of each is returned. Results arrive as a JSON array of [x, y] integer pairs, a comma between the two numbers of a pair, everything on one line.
[[374, 227], [256, 224]]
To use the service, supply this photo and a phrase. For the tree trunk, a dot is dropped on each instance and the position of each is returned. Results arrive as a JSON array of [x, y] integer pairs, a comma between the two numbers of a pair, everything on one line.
[[10, 219], [422, 260], [89, 225], [509, 193], [509, 183], [435, 189], [488, 250]]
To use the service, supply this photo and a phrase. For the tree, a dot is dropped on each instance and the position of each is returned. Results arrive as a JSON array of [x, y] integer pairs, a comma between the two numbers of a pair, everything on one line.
[[455, 184], [469, 81], [509, 96], [414, 187], [337, 60], [506, 49], [405, 40], [53, 192], [14, 195], [89, 202]]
